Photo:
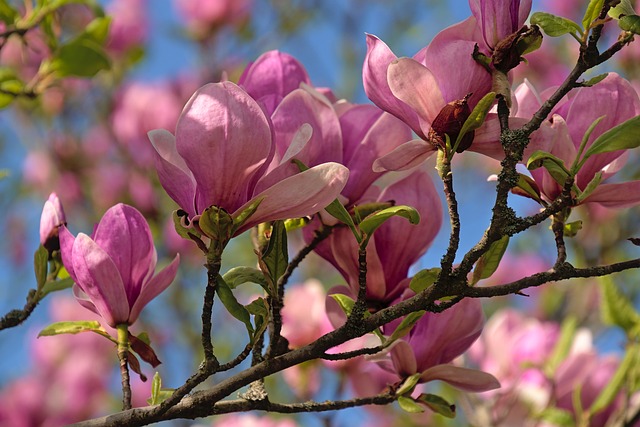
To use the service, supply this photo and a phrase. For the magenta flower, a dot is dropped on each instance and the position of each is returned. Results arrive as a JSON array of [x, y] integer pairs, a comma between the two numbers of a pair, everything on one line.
[[113, 269], [220, 153], [616, 100], [437, 339], [497, 19], [51, 220]]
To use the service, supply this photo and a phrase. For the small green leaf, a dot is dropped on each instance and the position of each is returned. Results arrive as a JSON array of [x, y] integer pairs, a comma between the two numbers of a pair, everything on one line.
[[405, 326], [295, 223], [240, 275], [260, 310], [366, 209], [81, 57], [75, 327], [408, 385], [562, 346], [572, 228], [613, 387], [98, 29], [630, 23], [616, 308], [345, 303], [8, 14], [595, 80], [623, 8], [490, 260], [551, 163], [56, 285], [409, 405], [156, 385], [557, 417], [274, 259], [242, 217], [476, 118], [577, 164], [217, 224], [232, 305], [593, 10], [376, 219], [555, 26], [424, 279], [527, 187], [437, 404], [40, 266], [593, 184], [336, 210]]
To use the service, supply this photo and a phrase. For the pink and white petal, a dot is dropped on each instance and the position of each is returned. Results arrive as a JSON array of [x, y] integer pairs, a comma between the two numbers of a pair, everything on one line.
[[154, 287], [123, 233], [376, 86], [620, 195], [225, 138], [173, 173], [83, 299], [300, 195], [405, 156], [66, 250], [404, 361], [99, 278], [415, 85], [462, 378]]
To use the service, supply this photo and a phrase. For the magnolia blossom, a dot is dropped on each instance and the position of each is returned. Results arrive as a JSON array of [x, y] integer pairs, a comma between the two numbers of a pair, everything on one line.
[[437, 339], [205, 14], [498, 19], [130, 26], [51, 219], [613, 99], [220, 153], [113, 269]]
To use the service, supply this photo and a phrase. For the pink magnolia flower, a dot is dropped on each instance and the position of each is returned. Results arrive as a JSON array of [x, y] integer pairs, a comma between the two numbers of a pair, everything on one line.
[[206, 14], [51, 219], [303, 316], [616, 100], [130, 25], [250, 420], [434, 342], [220, 153], [113, 269], [497, 19]]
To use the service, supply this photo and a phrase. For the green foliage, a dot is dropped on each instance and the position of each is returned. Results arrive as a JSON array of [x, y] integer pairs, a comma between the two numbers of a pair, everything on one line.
[[55, 285], [409, 405], [240, 275], [260, 310], [8, 14], [527, 187], [243, 216], [338, 211], [346, 303], [10, 85], [158, 394], [405, 326], [376, 219], [476, 118], [232, 305], [623, 8], [40, 266], [613, 387], [437, 404], [275, 257], [551, 163], [630, 23], [593, 10], [490, 260], [408, 385], [424, 279], [557, 417], [617, 309], [595, 80], [562, 346], [572, 228], [555, 26], [75, 327]]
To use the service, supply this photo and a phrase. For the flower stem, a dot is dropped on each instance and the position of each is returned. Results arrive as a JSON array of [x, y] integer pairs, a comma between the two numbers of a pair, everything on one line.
[[123, 355]]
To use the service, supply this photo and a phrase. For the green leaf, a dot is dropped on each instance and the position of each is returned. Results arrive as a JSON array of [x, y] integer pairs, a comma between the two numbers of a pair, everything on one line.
[[424, 279], [409, 405], [75, 327], [260, 310], [595, 80], [476, 118], [345, 303], [408, 385], [182, 231], [611, 390], [366, 209], [274, 259], [438, 405], [572, 228], [591, 186], [240, 275], [295, 223], [81, 57], [562, 346], [98, 29], [551, 163], [156, 385], [616, 308], [217, 224], [490, 260], [577, 164], [405, 326], [376, 219], [55, 285], [555, 26], [232, 305], [336, 210], [8, 14], [242, 217], [527, 187], [557, 417], [623, 8], [40, 266], [630, 23], [593, 10]]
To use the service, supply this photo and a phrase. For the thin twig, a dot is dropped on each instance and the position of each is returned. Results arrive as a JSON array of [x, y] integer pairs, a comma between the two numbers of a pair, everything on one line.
[[17, 316]]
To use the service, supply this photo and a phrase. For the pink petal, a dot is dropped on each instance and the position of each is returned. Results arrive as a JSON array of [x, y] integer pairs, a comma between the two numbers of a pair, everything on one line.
[[405, 156], [225, 138], [154, 287], [461, 378], [66, 250], [99, 278], [620, 195], [123, 233], [415, 85], [300, 195], [173, 173], [376, 86], [83, 299], [404, 362]]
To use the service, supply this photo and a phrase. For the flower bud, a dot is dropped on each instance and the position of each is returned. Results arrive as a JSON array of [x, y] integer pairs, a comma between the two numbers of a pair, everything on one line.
[[449, 121], [51, 219]]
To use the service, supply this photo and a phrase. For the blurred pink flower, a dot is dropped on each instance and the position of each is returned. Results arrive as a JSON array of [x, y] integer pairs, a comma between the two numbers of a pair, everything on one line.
[[51, 219], [130, 25], [250, 420], [205, 15]]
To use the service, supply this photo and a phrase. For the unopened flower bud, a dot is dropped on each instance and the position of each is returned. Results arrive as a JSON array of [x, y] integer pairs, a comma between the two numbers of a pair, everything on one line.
[[449, 121], [508, 53], [52, 218]]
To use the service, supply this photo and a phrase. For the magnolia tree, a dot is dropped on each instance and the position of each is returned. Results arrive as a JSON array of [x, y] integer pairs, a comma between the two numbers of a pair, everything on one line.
[[263, 170]]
